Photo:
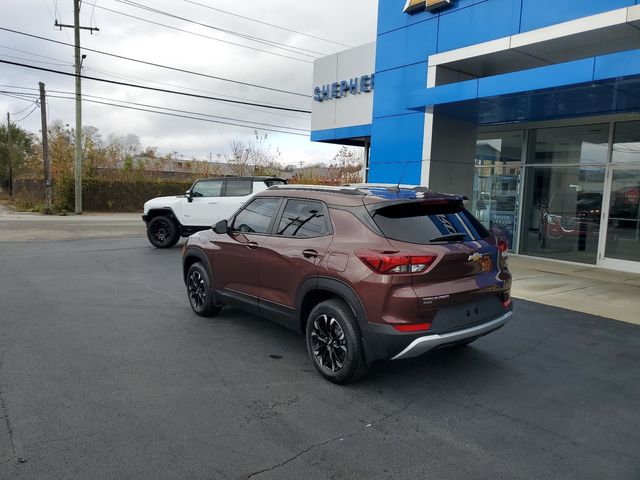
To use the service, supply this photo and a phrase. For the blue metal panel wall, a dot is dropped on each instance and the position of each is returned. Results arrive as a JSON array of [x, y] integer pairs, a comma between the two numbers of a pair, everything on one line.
[[397, 149], [479, 23], [405, 43], [542, 13]]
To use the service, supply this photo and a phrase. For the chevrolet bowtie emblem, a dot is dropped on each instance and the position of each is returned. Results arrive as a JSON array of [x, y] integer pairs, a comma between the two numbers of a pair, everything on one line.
[[476, 257], [413, 6]]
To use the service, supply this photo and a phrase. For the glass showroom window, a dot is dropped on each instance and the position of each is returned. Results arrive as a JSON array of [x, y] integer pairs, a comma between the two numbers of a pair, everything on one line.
[[563, 193], [497, 182]]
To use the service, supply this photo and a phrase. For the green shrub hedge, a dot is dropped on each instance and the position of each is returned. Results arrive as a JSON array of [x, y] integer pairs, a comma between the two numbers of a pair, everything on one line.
[[101, 194]]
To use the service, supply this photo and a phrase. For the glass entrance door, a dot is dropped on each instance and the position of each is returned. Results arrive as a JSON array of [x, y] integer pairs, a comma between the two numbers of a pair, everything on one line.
[[622, 241]]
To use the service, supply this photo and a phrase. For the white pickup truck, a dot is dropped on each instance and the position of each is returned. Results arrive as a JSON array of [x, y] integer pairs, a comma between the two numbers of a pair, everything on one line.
[[203, 205]]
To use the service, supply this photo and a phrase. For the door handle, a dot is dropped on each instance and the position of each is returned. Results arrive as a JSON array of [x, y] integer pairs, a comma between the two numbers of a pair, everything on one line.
[[213, 203], [310, 254], [252, 245]]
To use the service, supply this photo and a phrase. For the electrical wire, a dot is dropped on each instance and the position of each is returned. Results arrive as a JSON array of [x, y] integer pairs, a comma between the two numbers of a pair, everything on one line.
[[280, 114], [202, 35], [282, 46], [23, 110], [268, 24], [253, 126], [87, 98], [31, 53], [28, 114], [167, 67], [16, 97], [44, 62], [136, 79], [93, 13], [162, 90]]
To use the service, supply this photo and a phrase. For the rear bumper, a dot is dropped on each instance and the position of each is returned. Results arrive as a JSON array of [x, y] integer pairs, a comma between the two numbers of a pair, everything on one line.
[[382, 341], [429, 342]]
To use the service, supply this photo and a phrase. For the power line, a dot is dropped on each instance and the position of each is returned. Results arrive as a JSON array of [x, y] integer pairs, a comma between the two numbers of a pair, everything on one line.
[[129, 77], [87, 97], [23, 110], [28, 114], [167, 67], [202, 35], [31, 53], [282, 46], [182, 111], [138, 80], [255, 126], [162, 90], [268, 24], [44, 62], [16, 97]]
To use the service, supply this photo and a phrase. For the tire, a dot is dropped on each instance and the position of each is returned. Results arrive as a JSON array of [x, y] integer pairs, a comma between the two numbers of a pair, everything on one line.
[[163, 232], [343, 361], [200, 291]]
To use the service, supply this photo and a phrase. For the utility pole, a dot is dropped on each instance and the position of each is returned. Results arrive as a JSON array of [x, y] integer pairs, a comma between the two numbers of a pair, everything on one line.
[[45, 149], [10, 150], [78, 64]]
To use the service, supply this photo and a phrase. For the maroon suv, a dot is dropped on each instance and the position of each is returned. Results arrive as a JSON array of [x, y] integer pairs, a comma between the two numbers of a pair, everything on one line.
[[366, 272]]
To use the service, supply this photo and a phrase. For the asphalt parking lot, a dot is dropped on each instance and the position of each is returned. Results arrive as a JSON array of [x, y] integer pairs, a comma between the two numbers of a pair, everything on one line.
[[106, 374]]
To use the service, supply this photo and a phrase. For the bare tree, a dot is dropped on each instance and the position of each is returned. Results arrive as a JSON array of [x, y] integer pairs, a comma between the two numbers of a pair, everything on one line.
[[253, 157]]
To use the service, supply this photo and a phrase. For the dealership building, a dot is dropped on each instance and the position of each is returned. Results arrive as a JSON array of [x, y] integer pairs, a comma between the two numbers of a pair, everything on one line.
[[530, 108]]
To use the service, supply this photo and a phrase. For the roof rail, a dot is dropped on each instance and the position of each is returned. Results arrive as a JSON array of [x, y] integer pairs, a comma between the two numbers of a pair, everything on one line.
[[345, 190]]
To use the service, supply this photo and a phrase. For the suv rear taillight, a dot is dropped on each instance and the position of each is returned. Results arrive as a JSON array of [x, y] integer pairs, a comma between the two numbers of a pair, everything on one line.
[[502, 248], [389, 263]]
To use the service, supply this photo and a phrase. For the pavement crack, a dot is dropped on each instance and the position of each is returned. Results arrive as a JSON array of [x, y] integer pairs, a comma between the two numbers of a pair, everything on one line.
[[4, 412], [327, 442], [64, 439], [525, 351]]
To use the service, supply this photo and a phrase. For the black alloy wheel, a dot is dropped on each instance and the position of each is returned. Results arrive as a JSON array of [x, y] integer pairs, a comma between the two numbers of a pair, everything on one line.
[[199, 291], [328, 343], [334, 342], [163, 232]]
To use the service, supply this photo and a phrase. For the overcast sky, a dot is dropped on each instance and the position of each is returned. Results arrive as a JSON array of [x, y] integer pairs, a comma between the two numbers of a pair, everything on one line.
[[349, 22]]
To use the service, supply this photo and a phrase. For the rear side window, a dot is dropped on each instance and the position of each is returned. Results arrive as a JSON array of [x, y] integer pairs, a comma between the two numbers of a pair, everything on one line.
[[256, 217], [239, 187], [303, 219], [424, 223]]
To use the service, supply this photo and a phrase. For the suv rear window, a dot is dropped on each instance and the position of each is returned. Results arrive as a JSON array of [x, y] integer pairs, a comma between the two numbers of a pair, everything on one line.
[[423, 223]]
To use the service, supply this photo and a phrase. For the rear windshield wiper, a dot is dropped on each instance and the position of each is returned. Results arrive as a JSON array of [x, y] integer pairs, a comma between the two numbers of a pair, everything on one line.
[[453, 237]]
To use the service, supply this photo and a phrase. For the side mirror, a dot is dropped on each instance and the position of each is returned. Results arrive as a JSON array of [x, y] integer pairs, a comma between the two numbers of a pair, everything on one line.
[[221, 227], [188, 195]]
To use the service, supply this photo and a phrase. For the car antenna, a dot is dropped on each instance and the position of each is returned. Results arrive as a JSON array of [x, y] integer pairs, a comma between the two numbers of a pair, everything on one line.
[[404, 170]]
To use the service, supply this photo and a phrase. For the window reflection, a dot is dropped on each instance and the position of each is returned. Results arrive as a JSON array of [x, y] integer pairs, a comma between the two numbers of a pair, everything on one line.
[[497, 182]]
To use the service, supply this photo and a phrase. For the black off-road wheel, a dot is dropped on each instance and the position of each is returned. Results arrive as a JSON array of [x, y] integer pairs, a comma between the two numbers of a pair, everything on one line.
[[334, 342], [163, 232], [200, 291]]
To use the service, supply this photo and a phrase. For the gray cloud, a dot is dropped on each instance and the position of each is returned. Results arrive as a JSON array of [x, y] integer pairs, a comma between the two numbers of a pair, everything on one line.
[[351, 22]]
